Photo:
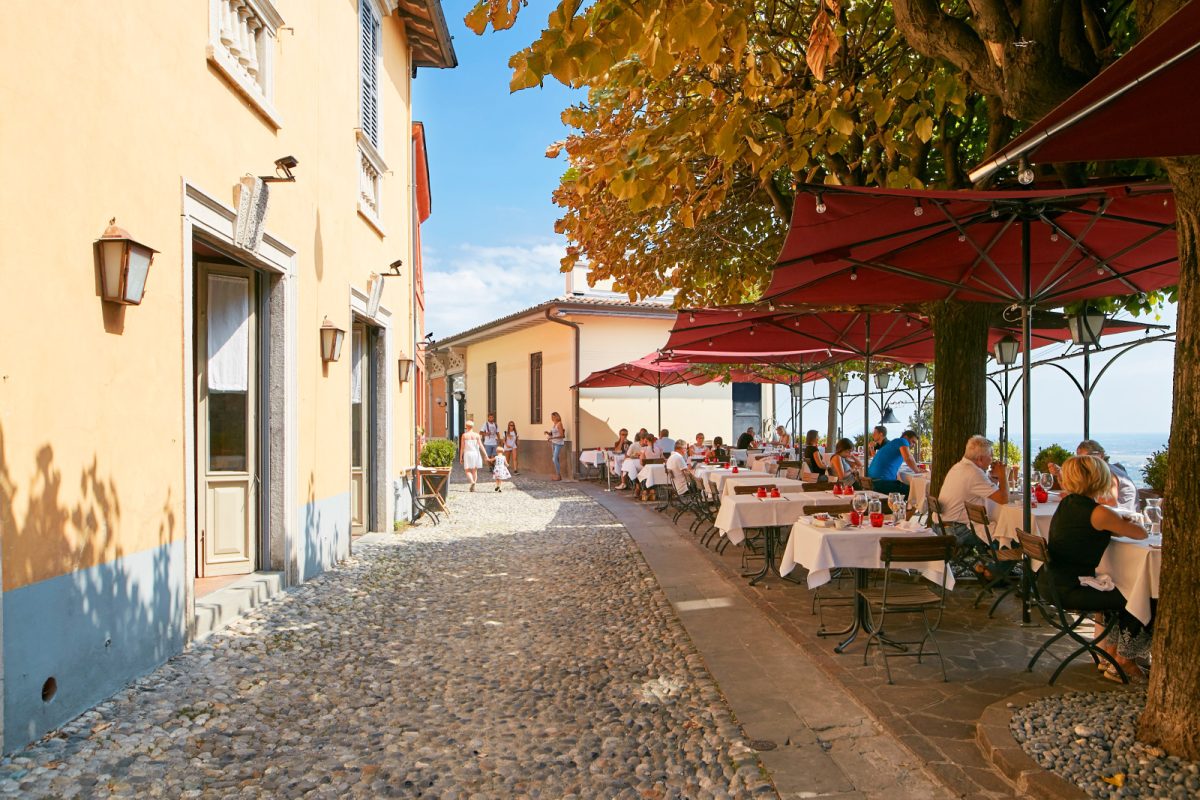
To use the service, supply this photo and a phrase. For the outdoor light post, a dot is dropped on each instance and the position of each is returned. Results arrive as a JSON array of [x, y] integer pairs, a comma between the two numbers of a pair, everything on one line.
[[1005, 353], [843, 385], [1085, 328], [797, 393]]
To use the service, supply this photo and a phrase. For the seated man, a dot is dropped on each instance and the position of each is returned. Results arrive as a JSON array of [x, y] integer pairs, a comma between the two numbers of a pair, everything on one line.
[[677, 468], [1124, 492], [968, 481], [665, 442], [746, 439], [878, 440], [633, 456], [885, 466]]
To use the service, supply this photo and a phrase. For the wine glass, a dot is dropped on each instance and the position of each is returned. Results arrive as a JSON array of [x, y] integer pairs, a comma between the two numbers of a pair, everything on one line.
[[1047, 480], [859, 503], [1154, 514], [900, 510], [894, 499]]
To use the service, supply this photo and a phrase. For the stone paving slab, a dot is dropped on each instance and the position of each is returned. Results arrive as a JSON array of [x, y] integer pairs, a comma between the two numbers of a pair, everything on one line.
[[520, 649]]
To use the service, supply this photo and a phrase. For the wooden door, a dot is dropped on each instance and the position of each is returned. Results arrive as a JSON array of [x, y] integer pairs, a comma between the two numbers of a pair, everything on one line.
[[226, 420], [360, 416]]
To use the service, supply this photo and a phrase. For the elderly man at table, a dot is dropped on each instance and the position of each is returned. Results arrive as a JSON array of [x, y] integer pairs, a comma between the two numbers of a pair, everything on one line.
[[677, 466], [968, 481], [745, 440], [1124, 492], [884, 468]]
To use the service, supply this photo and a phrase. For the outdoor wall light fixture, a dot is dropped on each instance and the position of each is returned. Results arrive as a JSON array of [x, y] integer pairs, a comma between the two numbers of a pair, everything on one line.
[[331, 341], [797, 391], [919, 373], [1085, 327], [124, 265], [1005, 351], [283, 171], [405, 368], [882, 379]]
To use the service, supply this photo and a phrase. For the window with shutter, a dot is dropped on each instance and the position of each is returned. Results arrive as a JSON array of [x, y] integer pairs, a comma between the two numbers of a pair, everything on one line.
[[369, 69]]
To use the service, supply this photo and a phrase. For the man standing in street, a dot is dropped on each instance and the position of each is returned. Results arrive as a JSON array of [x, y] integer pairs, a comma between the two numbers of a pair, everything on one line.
[[491, 436]]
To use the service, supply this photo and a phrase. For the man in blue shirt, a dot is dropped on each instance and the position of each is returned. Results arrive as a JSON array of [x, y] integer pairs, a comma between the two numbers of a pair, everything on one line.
[[885, 466]]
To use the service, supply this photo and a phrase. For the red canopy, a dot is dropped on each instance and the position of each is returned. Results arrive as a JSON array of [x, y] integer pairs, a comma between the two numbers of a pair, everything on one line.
[[646, 371], [1137, 108], [859, 246]]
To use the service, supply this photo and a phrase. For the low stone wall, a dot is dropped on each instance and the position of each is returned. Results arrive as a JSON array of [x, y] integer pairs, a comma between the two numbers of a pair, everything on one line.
[[534, 458]]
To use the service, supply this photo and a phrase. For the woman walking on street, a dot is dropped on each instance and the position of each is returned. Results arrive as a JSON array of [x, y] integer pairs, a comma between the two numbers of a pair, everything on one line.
[[471, 453], [510, 446], [558, 437]]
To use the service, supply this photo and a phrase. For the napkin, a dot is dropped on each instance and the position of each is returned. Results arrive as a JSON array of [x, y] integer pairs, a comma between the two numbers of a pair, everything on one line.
[[1102, 582], [911, 525]]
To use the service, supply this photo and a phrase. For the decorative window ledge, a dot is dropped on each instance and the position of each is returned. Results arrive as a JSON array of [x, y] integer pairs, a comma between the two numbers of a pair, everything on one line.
[[371, 168], [241, 45]]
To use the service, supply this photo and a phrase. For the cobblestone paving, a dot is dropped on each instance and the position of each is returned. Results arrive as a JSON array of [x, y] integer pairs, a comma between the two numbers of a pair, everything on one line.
[[519, 649]]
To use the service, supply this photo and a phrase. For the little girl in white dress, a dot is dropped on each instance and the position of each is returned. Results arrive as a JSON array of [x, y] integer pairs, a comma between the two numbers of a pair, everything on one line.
[[500, 468]]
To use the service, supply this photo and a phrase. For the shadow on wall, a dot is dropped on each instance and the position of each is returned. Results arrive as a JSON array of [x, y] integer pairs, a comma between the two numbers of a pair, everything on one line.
[[326, 532], [85, 617]]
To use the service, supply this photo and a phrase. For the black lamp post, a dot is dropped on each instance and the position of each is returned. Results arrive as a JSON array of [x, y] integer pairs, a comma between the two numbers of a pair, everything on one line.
[[1005, 352], [1085, 328]]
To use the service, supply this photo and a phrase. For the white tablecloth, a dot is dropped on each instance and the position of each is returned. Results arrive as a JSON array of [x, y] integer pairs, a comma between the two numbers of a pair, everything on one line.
[[653, 475], [822, 550], [630, 467], [738, 512], [759, 460], [738, 455], [783, 484], [918, 488], [1134, 566], [716, 477], [592, 458], [1006, 519]]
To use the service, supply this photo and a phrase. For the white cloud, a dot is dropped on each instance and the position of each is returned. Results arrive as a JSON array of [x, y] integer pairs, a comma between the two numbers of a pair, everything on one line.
[[473, 284]]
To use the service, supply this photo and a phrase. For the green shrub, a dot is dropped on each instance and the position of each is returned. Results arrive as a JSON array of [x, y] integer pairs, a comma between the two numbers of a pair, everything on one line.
[[1155, 470], [1014, 452], [437, 453], [1055, 453]]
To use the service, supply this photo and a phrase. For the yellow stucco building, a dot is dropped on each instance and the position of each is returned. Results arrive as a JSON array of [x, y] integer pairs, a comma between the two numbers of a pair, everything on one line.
[[149, 452], [522, 368]]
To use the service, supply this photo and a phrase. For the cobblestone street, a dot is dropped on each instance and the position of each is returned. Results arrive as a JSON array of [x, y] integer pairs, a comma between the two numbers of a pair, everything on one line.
[[520, 649]]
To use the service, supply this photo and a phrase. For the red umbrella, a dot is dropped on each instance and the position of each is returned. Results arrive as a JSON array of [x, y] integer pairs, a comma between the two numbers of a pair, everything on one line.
[[646, 371], [862, 246], [1133, 109]]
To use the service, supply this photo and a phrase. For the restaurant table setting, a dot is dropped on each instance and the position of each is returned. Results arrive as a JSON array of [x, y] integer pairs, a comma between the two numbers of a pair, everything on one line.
[[786, 485], [918, 487], [653, 475], [592, 458], [739, 512], [760, 461], [715, 476]]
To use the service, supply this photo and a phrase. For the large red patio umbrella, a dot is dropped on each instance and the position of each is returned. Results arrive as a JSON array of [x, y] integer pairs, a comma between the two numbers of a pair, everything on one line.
[[646, 371], [1133, 109], [861, 246]]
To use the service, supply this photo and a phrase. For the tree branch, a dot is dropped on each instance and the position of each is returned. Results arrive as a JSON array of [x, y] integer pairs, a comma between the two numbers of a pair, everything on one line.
[[938, 35]]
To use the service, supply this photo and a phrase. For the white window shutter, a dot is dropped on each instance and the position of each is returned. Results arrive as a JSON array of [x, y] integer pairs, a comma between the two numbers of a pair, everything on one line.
[[369, 77]]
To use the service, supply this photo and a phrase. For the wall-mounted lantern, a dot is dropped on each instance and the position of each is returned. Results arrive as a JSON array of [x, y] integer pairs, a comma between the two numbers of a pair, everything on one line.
[[919, 373], [331, 341], [405, 367], [124, 265], [843, 384]]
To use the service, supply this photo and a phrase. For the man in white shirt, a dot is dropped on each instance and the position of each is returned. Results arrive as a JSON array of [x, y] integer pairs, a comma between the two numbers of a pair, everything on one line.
[[968, 481], [665, 443], [633, 462], [677, 467]]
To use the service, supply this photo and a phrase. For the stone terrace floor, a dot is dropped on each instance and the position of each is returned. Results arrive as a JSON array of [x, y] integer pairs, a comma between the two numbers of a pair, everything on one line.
[[522, 648], [935, 720]]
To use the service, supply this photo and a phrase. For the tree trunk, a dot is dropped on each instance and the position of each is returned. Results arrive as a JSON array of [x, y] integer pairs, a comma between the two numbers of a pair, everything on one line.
[[1172, 717], [832, 418], [960, 332]]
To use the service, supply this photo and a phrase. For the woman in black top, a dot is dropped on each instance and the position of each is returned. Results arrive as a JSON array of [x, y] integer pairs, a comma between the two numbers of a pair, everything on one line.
[[810, 451], [1079, 534]]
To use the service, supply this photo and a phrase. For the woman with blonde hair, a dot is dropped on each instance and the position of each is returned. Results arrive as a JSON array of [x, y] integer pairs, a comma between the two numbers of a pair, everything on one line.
[[1079, 534], [471, 453], [511, 440], [558, 437]]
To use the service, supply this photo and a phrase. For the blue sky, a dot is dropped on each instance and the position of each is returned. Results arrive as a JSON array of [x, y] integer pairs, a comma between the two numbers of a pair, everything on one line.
[[490, 247]]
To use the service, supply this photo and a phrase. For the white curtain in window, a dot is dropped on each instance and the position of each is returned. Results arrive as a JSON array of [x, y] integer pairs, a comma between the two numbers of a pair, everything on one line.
[[356, 367], [228, 334]]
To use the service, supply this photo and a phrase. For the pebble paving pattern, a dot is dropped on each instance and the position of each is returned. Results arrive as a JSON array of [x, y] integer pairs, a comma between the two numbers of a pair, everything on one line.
[[520, 649]]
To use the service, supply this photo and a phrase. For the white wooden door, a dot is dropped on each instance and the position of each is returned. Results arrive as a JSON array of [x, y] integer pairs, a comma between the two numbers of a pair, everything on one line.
[[360, 409], [227, 421]]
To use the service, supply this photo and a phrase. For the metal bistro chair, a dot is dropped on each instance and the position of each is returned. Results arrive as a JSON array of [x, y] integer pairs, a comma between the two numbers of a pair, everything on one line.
[[1056, 613], [791, 469], [964, 561], [1006, 577], [820, 601], [754, 536], [896, 597], [698, 504]]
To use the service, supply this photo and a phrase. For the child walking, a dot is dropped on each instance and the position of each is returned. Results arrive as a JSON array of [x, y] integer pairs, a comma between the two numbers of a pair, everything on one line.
[[500, 468]]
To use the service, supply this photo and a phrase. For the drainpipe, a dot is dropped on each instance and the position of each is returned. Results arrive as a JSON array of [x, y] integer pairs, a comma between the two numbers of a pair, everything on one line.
[[553, 317]]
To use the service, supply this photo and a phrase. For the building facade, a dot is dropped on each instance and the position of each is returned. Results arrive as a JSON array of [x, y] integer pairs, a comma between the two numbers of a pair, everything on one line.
[[151, 452], [522, 367]]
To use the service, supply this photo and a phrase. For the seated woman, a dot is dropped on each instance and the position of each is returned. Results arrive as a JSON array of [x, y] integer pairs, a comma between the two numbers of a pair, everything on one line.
[[633, 458], [698, 450], [781, 438], [812, 452], [1079, 533], [843, 464], [720, 451]]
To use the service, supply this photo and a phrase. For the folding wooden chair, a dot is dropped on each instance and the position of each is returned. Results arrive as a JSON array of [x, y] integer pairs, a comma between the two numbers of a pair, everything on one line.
[[1005, 560], [902, 597]]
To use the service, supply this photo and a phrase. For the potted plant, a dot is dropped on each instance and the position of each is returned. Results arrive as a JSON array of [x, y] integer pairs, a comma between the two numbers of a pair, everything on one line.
[[437, 459], [1155, 471]]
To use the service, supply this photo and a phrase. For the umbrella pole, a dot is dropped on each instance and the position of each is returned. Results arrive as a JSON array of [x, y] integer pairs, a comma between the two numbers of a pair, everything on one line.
[[798, 426], [1026, 404], [867, 400], [658, 389], [1087, 391]]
